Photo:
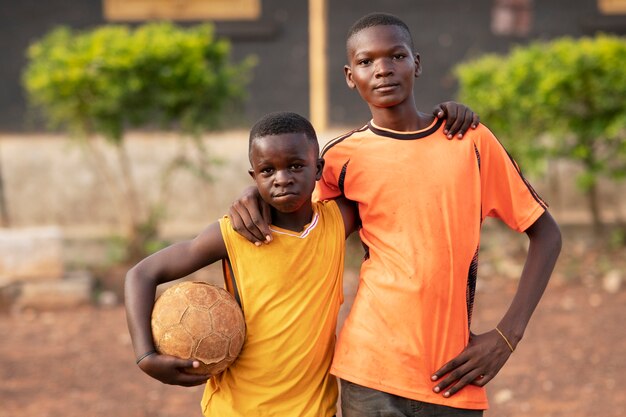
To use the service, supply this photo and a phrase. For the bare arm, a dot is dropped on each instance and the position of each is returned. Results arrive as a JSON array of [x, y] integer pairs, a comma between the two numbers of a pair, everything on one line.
[[486, 353], [349, 213], [458, 117], [174, 262]]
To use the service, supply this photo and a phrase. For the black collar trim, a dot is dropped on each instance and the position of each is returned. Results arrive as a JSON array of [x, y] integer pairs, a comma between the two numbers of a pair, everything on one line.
[[405, 136]]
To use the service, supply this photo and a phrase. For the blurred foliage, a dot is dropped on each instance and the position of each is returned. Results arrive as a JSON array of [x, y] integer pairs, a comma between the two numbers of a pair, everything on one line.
[[560, 99], [113, 78]]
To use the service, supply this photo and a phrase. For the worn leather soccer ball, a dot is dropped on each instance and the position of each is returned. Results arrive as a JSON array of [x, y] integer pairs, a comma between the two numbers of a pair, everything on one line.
[[198, 320]]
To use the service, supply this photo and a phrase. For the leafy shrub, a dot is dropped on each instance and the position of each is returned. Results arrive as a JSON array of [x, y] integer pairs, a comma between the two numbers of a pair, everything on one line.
[[111, 78], [564, 98]]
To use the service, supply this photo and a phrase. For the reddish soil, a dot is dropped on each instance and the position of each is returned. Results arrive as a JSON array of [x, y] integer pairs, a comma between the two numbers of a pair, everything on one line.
[[570, 364]]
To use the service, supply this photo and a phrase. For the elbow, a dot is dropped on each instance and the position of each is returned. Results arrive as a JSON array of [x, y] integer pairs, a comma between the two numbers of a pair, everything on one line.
[[130, 280], [133, 278], [554, 237], [547, 234], [553, 244]]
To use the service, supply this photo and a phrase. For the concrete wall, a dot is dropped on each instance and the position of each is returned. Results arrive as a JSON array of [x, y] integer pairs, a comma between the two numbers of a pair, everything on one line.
[[49, 181]]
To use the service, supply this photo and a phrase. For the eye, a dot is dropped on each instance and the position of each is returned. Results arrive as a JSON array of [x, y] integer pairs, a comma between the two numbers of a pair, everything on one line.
[[399, 56], [364, 61], [296, 166], [266, 171]]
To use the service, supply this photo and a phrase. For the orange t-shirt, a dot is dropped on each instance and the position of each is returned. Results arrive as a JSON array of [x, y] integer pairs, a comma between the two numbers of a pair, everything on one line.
[[421, 199]]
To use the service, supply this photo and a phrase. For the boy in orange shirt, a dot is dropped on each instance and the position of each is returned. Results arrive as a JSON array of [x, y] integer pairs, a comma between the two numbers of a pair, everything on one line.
[[406, 347]]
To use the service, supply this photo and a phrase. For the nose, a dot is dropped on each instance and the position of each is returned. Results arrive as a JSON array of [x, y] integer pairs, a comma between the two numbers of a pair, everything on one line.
[[384, 68], [282, 177]]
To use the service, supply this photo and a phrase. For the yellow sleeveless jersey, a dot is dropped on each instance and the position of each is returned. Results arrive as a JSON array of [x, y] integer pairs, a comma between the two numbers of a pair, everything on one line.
[[290, 291]]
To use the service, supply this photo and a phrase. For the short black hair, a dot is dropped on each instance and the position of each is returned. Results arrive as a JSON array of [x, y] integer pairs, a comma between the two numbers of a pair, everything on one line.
[[379, 19], [278, 123]]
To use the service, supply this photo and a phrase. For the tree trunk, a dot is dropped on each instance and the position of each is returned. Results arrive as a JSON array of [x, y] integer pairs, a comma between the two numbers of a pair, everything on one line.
[[594, 207], [4, 213], [138, 229]]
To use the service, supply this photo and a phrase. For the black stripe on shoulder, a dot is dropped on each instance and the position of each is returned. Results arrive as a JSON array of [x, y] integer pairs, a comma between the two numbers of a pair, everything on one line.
[[342, 177], [406, 136], [519, 172], [341, 138]]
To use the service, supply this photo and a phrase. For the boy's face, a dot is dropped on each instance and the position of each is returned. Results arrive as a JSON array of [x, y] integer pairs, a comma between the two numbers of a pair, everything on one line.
[[285, 168], [381, 65]]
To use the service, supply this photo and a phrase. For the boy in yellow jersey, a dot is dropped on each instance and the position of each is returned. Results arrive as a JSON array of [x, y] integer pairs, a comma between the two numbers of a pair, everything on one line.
[[290, 291], [406, 348]]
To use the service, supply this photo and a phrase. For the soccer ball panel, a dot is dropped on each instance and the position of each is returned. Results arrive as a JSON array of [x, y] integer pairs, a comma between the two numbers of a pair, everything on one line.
[[236, 343], [226, 318], [176, 341], [212, 349], [197, 321], [170, 311], [202, 295]]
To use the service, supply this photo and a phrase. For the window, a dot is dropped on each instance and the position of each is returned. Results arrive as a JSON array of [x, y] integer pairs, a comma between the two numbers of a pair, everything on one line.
[[139, 10], [511, 17], [612, 6]]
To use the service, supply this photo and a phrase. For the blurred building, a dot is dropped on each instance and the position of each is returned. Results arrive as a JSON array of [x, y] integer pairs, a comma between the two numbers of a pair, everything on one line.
[[294, 73]]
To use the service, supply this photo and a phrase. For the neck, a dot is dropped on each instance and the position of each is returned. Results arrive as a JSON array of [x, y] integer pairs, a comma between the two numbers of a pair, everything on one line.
[[294, 221], [401, 118]]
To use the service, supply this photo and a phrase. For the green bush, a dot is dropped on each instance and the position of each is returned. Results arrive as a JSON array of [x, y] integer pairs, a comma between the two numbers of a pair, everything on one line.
[[565, 98], [112, 78]]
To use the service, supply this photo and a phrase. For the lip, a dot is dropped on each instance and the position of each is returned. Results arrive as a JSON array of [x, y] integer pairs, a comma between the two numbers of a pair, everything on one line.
[[284, 194], [386, 87]]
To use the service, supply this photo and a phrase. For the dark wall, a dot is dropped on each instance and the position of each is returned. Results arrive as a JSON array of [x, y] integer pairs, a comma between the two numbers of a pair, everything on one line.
[[446, 32], [22, 22]]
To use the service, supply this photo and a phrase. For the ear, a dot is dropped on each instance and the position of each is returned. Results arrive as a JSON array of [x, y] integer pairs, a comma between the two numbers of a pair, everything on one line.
[[252, 174], [348, 73], [320, 167], [418, 64]]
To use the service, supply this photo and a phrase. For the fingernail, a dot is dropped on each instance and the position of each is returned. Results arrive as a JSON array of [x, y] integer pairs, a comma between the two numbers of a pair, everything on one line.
[[433, 378], [460, 135], [257, 243], [436, 389], [268, 238], [196, 364], [449, 136], [446, 394], [474, 126], [445, 131], [440, 114]]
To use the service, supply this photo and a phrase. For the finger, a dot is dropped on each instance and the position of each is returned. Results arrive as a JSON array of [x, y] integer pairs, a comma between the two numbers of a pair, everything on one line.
[[450, 118], [256, 216], [239, 226], [439, 111], [184, 363], [482, 380], [449, 367], [190, 380], [466, 123], [457, 123], [266, 215], [462, 383], [452, 378], [475, 121], [243, 223]]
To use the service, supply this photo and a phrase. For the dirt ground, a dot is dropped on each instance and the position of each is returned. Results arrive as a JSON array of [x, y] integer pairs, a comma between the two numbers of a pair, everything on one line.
[[569, 364]]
